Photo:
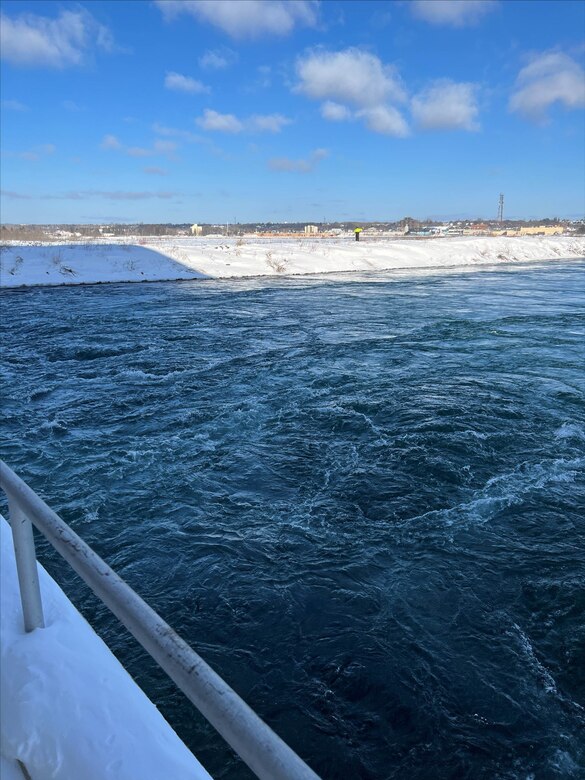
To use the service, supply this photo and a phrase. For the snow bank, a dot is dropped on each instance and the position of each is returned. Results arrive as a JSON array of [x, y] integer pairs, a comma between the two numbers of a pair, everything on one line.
[[68, 708], [165, 259], [24, 265]]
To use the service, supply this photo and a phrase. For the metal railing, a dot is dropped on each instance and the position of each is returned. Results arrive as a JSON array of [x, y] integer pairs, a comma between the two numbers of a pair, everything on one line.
[[257, 745]]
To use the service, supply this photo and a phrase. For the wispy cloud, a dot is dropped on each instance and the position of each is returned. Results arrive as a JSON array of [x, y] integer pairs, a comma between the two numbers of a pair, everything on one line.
[[159, 147], [138, 151], [246, 18], [174, 132], [34, 154], [335, 112], [187, 136], [222, 123], [266, 123], [165, 147], [111, 195], [229, 123], [180, 83], [153, 170], [110, 142], [11, 195], [306, 165], [120, 195], [385, 120], [71, 105], [446, 105], [31, 40], [14, 105], [217, 59], [382, 119], [452, 13], [550, 77], [262, 81]]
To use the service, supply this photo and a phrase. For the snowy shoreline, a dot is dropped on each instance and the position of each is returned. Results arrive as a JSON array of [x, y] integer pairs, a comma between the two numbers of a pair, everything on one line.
[[133, 260]]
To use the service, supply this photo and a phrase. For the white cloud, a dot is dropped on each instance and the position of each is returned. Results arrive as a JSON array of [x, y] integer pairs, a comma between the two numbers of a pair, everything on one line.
[[446, 105], [453, 13], [173, 132], [153, 170], [551, 77], [350, 76], [117, 195], [110, 195], [229, 123], [217, 59], [71, 105], [39, 151], [354, 85], [335, 112], [382, 119], [15, 195], [267, 123], [222, 123], [34, 154], [264, 76], [306, 165], [31, 40], [160, 147], [110, 142], [262, 81], [138, 151], [246, 18], [165, 147], [14, 105], [386, 120], [180, 83]]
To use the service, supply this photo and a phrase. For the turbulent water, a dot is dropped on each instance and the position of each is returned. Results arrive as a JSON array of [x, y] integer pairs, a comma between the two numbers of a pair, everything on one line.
[[361, 500]]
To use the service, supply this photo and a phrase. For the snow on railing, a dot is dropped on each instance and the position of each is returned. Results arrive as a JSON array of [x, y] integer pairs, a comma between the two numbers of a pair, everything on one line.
[[255, 742]]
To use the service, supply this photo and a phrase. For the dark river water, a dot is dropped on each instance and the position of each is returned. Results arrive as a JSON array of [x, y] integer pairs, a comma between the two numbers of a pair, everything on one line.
[[362, 500]]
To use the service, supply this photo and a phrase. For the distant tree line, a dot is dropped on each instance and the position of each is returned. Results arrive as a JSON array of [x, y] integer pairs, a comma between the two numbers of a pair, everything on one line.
[[73, 232]]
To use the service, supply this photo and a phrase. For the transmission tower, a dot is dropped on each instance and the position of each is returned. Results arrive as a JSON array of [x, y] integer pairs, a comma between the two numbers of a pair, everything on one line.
[[501, 208]]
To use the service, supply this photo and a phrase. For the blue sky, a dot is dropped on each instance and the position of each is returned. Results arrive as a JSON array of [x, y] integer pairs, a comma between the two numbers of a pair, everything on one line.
[[264, 110]]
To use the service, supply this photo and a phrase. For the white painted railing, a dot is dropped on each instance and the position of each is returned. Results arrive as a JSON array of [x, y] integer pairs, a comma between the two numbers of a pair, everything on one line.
[[255, 742]]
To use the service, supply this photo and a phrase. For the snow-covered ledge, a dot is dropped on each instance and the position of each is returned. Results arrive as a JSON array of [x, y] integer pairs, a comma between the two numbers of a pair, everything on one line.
[[183, 258], [69, 709]]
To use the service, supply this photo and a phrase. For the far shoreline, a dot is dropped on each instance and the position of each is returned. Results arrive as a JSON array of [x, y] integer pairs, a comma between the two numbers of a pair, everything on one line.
[[66, 265]]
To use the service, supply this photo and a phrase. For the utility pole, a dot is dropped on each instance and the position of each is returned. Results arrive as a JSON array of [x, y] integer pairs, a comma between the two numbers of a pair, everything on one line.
[[501, 208]]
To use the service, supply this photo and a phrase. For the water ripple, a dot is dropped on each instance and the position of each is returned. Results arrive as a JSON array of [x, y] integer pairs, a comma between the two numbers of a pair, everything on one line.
[[363, 501]]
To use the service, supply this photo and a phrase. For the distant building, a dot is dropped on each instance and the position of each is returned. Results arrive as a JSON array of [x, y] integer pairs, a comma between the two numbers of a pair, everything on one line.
[[311, 230], [542, 230], [531, 230], [196, 230]]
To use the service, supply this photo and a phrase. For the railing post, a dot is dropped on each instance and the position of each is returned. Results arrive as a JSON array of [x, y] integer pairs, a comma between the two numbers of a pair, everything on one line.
[[255, 742], [26, 566]]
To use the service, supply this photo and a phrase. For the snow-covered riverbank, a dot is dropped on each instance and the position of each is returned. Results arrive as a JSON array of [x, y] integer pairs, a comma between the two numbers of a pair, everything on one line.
[[166, 259]]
